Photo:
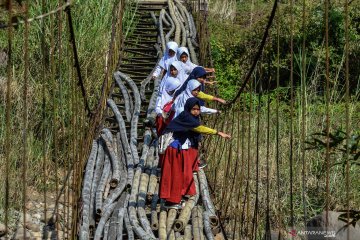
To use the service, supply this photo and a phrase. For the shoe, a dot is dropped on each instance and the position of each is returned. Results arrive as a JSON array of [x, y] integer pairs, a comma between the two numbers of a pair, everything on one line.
[[202, 164], [169, 205]]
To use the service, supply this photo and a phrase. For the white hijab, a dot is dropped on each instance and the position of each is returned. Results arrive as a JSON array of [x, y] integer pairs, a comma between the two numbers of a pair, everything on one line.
[[188, 66], [185, 95], [164, 97], [182, 76], [166, 60]]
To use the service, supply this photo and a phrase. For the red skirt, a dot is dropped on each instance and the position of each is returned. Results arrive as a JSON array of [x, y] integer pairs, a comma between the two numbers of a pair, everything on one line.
[[177, 175], [161, 124], [194, 159]]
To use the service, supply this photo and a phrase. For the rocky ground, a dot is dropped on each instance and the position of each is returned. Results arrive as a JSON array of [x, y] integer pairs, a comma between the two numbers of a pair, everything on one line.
[[39, 225]]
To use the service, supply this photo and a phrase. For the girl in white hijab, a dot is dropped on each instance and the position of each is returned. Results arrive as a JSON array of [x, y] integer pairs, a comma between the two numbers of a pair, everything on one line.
[[175, 71], [167, 59], [193, 90], [184, 56], [170, 86]]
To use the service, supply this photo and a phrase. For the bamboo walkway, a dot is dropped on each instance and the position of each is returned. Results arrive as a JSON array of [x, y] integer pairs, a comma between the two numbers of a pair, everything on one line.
[[121, 183]]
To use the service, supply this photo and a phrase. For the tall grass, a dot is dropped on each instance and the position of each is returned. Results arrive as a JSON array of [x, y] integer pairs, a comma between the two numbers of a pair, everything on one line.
[[229, 162], [56, 111]]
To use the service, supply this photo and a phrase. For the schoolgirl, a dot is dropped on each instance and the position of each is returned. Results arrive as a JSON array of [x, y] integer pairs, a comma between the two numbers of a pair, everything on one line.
[[184, 56], [170, 86], [166, 60], [198, 73], [193, 90], [179, 159], [176, 71]]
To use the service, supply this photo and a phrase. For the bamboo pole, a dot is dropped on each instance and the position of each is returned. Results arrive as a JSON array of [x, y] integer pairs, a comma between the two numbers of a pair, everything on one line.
[[126, 96], [161, 30], [101, 187], [207, 226], [169, 224], [129, 228], [108, 139], [86, 193], [197, 223], [96, 178], [172, 25], [185, 214], [124, 140], [174, 18], [207, 202], [104, 218], [154, 213], [135, 116], [162, 225], [188, 232]]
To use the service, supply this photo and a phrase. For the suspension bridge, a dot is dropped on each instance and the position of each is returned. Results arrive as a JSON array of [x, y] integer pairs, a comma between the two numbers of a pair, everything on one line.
[[99, 176]]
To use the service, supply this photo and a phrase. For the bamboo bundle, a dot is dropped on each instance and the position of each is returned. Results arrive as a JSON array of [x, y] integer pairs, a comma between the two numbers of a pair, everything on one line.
[[188, 232], [176, 21], [135, 116], [169, 224], [161, 29], [86, 192], [101, 225], [129, 228], [207, 226], [197, 223], [185, 214], [106, 230], [162, 225], [108, 139], [182, 26], [117, 218], [124, 140], [101, 187], [207, 203], [172, 25], [100, 158], [165, 20], [107, 185], [115, 193], [154, 214], [126, 97], [151, 114], [153, 173]]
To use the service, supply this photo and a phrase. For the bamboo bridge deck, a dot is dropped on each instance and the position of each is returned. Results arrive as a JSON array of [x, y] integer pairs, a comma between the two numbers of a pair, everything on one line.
[[120, 187]]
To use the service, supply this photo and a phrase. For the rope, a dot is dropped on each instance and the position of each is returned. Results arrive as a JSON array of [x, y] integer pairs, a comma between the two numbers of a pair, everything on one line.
[[291, 111], [76, 58], [44, 141], [327, 100], [277, 124], [347, 112], [257, 163], [8, 120], [258, 54], [229, 170], [248, 160], [25, 115], [54, 111], [303, 110], [40, 17], [239, 183], [267, 227], [61, 125]]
